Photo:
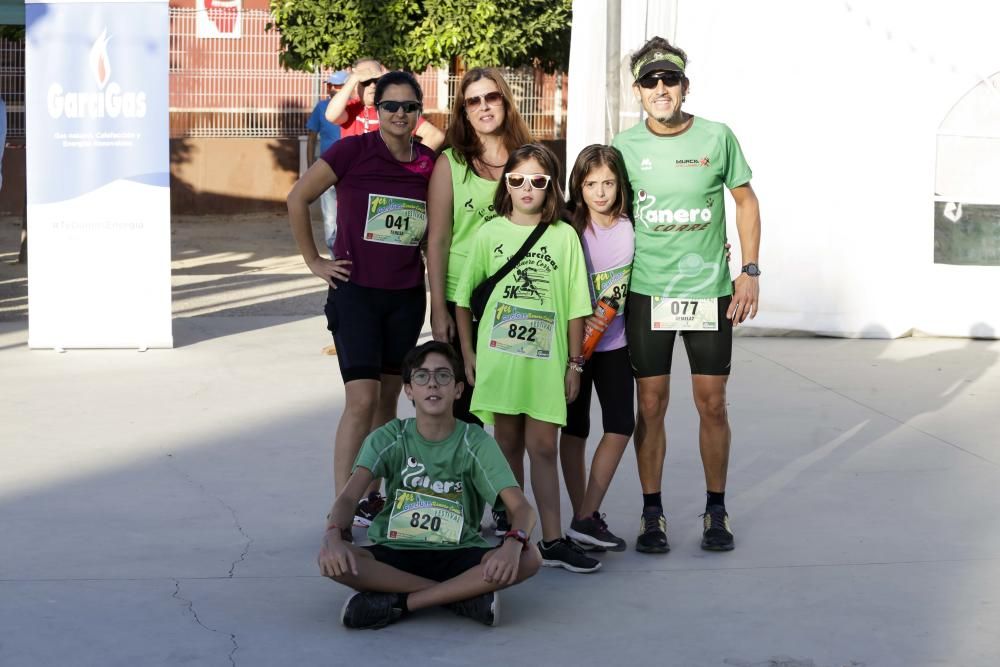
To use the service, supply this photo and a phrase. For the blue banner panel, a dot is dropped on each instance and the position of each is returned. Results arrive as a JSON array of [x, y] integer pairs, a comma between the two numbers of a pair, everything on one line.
[[98, 174]]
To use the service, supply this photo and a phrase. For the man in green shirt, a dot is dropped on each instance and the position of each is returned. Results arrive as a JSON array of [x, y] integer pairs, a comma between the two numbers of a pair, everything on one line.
[[679, 167], [439, 474]]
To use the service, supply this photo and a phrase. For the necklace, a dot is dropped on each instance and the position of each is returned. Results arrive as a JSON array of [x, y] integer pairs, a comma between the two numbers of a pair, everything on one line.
[[382, 137], [489, 164]]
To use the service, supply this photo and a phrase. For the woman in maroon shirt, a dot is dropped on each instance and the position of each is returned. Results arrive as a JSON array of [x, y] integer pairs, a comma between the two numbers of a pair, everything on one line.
[[376, 300]]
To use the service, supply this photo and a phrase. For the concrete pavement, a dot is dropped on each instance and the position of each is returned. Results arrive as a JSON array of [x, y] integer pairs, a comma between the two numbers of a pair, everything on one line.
[[164, 508]]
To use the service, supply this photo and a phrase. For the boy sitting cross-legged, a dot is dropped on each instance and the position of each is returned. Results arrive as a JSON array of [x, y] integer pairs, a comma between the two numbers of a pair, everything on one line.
[[439, 474]]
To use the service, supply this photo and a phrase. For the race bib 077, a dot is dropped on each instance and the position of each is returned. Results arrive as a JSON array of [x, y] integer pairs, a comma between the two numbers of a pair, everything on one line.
[[395, 220], [682, 314]]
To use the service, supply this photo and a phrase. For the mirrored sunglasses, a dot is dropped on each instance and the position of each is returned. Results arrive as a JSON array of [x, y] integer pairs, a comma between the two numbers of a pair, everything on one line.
[[669, 79], [442, 376], [537, 181], [392, 106], [489, 99]]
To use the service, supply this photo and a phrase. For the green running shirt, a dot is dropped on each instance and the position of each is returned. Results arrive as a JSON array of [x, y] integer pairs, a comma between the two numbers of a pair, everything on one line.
[[522, 346], [678, 185], [445, 484], [473, 206]]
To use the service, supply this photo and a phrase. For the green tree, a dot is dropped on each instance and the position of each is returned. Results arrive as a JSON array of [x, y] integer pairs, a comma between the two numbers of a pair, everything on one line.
[[411, 34]]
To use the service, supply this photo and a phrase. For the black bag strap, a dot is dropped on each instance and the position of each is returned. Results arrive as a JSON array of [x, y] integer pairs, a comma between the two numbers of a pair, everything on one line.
[[525, 248]]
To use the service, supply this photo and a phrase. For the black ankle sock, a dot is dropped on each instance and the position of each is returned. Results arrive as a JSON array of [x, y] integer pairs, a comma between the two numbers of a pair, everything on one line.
[[402, 599], [652, 501], [716, 498]]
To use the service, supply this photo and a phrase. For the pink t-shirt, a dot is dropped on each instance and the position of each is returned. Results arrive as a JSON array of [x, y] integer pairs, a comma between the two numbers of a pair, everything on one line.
[[609, 262], [381, 210]]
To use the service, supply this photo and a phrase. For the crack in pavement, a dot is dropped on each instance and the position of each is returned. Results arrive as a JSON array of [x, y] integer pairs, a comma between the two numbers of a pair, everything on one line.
[[189, 605], [230, 508]]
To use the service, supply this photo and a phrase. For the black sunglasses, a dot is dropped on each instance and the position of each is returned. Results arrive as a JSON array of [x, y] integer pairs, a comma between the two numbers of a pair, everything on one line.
[[392, 106], [367, 82], [489, 99], [669, 79]]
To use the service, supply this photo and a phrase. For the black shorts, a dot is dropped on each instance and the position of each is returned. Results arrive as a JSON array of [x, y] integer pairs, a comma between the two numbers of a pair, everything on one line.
[[435, 564], [373, 328], [709, 352], [611, 373]]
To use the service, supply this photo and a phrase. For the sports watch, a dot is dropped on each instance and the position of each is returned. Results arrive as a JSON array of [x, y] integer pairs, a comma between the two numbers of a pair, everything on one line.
[[751, 269], [518, 535]]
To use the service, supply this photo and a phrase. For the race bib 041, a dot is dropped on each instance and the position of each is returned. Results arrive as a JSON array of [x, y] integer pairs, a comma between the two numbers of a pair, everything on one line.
[[422, 518], [395, 220], [679, 314], [522, 331]]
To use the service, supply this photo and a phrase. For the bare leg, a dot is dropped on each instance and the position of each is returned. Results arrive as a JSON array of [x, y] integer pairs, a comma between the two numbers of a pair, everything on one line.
[[714, 436], [609, 454], [509, 433], [355, 425], [540, 440], [379, 577], [650, 434], [385, 412], [572, 457]]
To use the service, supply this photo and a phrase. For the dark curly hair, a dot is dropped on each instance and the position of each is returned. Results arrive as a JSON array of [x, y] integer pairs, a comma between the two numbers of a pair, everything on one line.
[[656, 44]]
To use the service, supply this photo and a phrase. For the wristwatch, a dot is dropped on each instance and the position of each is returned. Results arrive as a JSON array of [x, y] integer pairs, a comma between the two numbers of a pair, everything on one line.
[[518, 535], [751, 269]]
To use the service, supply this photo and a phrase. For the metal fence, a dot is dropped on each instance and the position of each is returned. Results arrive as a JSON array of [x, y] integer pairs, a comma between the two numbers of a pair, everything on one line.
[[237, 88], [12, 85]]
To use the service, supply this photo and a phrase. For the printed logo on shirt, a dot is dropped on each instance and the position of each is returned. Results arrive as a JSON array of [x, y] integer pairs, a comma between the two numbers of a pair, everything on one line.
[[414, 477], [671, 220], [468, 204], [498, 250], [699, 162], [646, 164]]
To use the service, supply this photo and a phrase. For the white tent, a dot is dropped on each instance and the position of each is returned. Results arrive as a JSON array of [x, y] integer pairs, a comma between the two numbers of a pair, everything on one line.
[[854, 116]]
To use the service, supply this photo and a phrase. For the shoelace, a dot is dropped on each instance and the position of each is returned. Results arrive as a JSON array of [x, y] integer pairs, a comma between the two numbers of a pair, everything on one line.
[[599, 520], [651, 522], [573, 546], [716, 518]]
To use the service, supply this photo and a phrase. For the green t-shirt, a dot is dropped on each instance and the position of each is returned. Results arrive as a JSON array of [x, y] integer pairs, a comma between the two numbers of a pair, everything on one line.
[[436, 491], [522, 346], [473, 206], [680, 215]]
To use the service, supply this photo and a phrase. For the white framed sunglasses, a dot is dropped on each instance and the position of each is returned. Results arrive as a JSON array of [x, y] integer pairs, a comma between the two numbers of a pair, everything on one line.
[[516, 181]]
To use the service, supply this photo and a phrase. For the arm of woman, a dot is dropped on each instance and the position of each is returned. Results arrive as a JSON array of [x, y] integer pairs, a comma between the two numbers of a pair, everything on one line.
[[465, 335], [317, 180], [440, 200]]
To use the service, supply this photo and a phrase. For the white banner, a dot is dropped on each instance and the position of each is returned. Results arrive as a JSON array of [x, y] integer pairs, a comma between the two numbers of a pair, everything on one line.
[[98, 175]]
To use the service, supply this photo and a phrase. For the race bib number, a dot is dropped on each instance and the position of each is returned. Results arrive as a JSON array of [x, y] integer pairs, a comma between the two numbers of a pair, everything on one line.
[[395, 220], [522, 331], [613, 284], [421, 518], [671, 314]]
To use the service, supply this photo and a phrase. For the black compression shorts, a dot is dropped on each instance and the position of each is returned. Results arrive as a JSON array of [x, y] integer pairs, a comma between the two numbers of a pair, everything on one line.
[[611, 373], [434, 564], [373, 328], [709, 352]]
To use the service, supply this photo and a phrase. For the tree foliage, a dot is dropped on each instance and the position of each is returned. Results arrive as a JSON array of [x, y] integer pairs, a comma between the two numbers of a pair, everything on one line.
[[412, 34]]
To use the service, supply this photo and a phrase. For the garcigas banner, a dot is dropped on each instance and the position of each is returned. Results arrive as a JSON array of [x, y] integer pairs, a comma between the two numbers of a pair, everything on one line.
[[98, 174]]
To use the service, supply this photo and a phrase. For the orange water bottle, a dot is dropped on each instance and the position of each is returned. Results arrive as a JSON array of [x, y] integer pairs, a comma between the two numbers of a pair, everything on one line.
[[606, 310]]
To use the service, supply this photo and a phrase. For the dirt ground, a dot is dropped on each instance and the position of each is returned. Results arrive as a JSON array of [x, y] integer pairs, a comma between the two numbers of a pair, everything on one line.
[[224, 265]]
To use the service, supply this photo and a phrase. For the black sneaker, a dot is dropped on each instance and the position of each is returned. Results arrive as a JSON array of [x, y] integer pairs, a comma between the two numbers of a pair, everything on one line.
[[484, 608], [371, 610], [368, 509], [502, 523], [718, 536], [593, 532], [563, 553], [652, 533]]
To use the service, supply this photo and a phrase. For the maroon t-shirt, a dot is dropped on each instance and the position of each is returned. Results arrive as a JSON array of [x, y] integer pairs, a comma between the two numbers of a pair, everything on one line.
[[381, 210]]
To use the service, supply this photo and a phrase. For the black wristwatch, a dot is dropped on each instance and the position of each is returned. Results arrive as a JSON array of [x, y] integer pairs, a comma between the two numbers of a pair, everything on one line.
[[751, 269]]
